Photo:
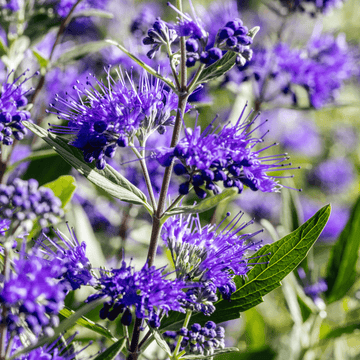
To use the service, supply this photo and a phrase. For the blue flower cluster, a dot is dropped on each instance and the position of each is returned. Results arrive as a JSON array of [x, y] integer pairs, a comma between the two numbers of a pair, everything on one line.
[[209, 157], [24, 200], [333, 175], [208, 257], [12, 102], [32, 295], [320, 69], [312, 7], [198, 340], [146, 290], [160, 34], [76, 266], [112, 116], [232, 37]]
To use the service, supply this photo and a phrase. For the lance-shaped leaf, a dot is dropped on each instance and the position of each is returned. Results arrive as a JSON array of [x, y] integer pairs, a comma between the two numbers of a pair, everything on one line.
[[79, 51], [216, 352], [146, 67], [204, 205], [64, 326], [113, 351], [223, 65], [87, 323], [63, 188], [108, 179], [276, 261], [218, 69], [341, 272]]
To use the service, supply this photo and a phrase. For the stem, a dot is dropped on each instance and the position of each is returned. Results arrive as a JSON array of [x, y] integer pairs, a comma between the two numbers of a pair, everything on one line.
[[185, 325], [195, 78], [62, 28], [146, 176], [124, 226], [3, 327], [158, 213]]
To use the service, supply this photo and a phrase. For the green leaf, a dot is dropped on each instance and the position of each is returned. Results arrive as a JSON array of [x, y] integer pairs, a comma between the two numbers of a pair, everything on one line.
[[64, 325], [79, 51], [204, 205], [43, 62], [108, 179], [218, 69], [146, 67], [86, 323], [341, 271], [3, 48], [291, 213], [337, 332], [113, 351], [63, 188], [252, 32], [93, 12], [216, 352], [160, 341], [282, 257]]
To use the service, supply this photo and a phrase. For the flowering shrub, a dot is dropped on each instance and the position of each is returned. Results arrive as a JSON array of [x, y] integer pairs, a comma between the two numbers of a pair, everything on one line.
[[150, 261]]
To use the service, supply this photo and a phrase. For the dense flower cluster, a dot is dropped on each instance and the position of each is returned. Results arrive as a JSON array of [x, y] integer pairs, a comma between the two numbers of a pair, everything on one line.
[[160, 34], [211, 258], [198, 340], [71, 254], [113, 115], [311, 7], [146, 290], [333, 175], [32, 297], [25, 200], [231, 37], [209, 157], [12, 102], [321, 69]]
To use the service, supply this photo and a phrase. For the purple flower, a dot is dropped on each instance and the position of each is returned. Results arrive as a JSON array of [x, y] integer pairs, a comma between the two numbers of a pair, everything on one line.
[[71, 254], [4, 226], [261, 206], [114, 115], [146, 290], [208, 256], [312, 7], [209, 157], [320, 69], [12, 101], [25, 200], [313, 290], [333, 175], [198, 340], [33, 294]]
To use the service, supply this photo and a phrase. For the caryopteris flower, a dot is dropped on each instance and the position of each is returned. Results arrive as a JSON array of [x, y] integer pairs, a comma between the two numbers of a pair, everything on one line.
[[312, 7], [208, 256], [209, 157], [32, 296], [147, 291], [113, 115], [321, 69], [202, 340], [333, 175], [58, 350], [12, 102], [25, 200], [71, 254]]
